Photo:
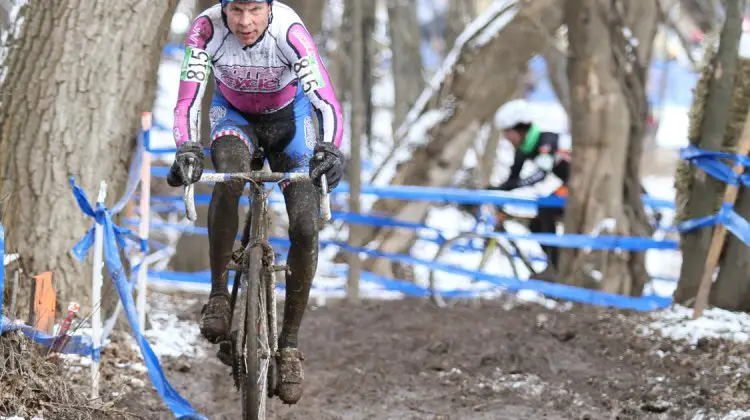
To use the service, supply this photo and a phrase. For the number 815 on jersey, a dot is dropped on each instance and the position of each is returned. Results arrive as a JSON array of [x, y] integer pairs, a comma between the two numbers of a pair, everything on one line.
[[195, 66]]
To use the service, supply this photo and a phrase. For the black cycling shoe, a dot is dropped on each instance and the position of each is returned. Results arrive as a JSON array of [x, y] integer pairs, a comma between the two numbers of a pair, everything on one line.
[[215, 318]]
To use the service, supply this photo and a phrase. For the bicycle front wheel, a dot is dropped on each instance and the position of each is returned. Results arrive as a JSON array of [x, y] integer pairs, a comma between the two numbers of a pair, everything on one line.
[[257, 352]]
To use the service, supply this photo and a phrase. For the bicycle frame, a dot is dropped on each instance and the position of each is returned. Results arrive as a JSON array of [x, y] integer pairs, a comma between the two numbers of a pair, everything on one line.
[[256, 274]]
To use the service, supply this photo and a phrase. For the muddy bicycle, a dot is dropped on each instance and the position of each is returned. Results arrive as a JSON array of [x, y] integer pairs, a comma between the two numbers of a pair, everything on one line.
[[251, 348]]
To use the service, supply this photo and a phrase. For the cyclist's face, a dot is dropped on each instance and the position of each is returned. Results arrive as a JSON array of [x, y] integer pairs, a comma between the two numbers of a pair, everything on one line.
[[247, 21], [513, 136]]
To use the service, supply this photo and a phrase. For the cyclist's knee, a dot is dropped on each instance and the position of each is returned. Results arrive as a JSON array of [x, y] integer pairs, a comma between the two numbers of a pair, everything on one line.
[[230, 154]]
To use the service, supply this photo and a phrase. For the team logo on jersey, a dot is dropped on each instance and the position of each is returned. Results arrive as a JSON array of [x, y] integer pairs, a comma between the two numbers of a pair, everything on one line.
[[199, 32], [309, 133], [217, 114], [250, 78]]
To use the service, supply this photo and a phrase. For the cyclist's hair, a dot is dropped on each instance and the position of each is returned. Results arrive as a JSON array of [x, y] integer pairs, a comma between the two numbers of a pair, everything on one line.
[[521, 127]]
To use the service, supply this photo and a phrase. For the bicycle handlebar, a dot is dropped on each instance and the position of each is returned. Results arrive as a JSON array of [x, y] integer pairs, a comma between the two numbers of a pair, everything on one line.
[[255, 176]]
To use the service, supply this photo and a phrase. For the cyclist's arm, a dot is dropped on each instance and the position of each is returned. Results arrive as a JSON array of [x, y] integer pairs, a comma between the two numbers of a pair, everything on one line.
[[193, 80], [515, 172], [544, 163], [300, 49]]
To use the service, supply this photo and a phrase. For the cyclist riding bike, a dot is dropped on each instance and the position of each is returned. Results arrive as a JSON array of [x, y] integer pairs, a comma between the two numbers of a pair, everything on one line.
[[268, 79], [515, 119]]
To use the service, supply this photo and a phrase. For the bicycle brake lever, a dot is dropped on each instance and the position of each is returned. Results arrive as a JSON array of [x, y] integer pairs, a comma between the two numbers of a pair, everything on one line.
[[189, 195], [325, 200]]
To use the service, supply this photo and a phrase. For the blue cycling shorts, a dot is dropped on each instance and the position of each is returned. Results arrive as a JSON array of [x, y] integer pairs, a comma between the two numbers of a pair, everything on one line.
[[288, 136]]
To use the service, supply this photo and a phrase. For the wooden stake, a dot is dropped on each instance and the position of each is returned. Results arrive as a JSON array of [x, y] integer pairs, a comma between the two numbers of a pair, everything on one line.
[[720, 232], [43, 303]]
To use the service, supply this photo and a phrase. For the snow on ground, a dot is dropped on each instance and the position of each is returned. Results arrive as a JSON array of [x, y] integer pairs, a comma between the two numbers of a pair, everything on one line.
[[169, 335], [677, 323]]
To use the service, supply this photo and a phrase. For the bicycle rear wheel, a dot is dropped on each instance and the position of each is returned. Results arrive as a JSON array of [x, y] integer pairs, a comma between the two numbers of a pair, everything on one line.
[[257, 352]]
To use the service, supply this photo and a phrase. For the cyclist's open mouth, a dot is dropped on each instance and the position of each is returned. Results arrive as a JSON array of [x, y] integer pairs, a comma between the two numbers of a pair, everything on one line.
[[247, 37]]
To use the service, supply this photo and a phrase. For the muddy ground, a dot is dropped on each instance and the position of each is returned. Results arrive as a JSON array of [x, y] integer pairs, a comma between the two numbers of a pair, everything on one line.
[[411, 360]]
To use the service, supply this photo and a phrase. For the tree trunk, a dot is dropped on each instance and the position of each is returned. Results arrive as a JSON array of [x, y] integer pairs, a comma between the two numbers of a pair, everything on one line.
[[732, 289], [459, 15], [703, 12], [557, 71], [704, 189], [357, 131], [311, 12], [368, 64], [441, 127], [74, 110], [406, 57], [338, 53], [607, 113]]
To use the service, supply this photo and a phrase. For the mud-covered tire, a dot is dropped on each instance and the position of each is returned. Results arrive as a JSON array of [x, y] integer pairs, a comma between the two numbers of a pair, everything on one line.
[[254, 385]]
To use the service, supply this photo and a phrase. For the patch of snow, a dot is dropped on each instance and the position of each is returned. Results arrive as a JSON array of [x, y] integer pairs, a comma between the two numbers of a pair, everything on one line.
[[732, 415], [528, 384], [136, 366], [9, 258], [8, 35], [170, 336], [677, 323]]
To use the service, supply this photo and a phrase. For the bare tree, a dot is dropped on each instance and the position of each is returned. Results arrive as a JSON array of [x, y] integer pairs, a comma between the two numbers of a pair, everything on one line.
[[311, 12], [607, 73], [70, 107], [406, 57], [445, 121], [698, 193], [458, 15]]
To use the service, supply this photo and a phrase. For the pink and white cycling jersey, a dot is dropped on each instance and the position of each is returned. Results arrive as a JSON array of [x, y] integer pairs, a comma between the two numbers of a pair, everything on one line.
[[260, 79]]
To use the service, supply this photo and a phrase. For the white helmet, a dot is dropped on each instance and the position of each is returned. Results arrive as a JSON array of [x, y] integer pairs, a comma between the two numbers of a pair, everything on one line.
[[517, 111]]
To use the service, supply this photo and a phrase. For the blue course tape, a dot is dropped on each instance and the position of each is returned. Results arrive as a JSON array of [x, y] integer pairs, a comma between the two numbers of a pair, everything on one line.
[[555, 290], [726, 216], [466, 196], [76, 344], [711, 163], [112, 238]]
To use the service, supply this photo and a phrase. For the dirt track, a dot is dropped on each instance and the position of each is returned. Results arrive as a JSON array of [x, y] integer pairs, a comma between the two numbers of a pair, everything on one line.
[[410, 360]]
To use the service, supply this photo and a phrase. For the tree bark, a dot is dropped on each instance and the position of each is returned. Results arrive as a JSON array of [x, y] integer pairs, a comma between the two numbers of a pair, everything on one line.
[[368, 63], [75, 103], [406, 57], [704, 188], [608, 108], [357, 132], [441, 127], [732, 290]]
